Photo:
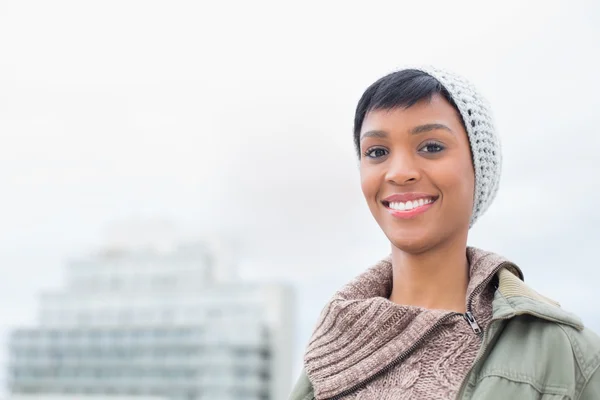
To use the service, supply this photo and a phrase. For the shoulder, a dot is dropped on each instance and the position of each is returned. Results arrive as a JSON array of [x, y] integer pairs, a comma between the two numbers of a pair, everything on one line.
[[553, 353], [553, 336], [536, 357], [538, 314], [585, 345], [539, 338]]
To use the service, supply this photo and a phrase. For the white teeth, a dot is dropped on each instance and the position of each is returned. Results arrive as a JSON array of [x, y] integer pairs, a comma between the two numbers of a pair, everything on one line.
[[409, 205], [398, 206]]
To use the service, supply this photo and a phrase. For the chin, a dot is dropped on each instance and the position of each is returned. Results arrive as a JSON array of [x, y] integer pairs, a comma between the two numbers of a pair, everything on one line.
[[419, 241], [417, 244]]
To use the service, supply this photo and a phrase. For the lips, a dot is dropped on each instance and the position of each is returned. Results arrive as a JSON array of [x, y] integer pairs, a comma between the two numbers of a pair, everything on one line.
[[408, 205]]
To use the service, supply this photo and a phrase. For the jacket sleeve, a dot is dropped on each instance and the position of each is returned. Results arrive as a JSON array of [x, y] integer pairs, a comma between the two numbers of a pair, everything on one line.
[[303, 389], [591, 390]]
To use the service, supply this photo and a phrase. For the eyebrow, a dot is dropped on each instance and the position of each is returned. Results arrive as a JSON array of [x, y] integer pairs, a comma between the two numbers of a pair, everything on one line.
[[375, 134], [415, 131], [428, 128]]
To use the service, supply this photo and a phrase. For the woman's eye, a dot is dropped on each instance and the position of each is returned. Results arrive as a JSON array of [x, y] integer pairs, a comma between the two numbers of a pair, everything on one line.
[[432, 148], [375, 153]]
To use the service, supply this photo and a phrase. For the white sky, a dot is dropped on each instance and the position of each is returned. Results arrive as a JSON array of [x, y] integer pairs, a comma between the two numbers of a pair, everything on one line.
[[236, 117]]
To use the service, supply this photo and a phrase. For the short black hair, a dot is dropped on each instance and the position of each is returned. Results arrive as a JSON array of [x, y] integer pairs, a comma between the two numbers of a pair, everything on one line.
[[400, 89]]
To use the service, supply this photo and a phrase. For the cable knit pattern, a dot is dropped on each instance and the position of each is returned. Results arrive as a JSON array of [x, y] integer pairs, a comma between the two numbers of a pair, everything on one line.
[[360, 332]]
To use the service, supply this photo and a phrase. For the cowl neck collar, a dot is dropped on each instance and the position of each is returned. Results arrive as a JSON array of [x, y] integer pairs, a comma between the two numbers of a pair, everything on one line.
[[360, 330]]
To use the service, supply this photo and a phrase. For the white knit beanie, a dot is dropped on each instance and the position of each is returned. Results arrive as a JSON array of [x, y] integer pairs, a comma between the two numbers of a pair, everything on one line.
[[484, 141]]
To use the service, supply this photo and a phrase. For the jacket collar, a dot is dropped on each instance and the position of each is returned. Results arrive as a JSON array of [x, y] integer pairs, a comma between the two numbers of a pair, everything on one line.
[[514, 297]]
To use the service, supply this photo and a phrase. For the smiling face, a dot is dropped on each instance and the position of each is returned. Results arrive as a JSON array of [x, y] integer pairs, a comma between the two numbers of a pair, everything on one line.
[[416, 173]]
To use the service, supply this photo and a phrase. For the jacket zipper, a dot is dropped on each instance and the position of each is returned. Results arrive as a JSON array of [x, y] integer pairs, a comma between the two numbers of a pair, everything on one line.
[[474, 325], [485, 339], [468, 316], [482, 353]]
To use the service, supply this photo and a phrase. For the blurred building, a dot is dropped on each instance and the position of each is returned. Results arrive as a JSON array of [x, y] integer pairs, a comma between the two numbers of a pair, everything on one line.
[[157, 321]]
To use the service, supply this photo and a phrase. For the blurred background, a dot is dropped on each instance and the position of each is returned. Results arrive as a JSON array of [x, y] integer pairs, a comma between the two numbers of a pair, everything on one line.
[[180, 192]]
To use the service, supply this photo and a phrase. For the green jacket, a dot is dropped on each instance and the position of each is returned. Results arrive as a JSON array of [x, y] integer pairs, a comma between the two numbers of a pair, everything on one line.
[[532, 349]]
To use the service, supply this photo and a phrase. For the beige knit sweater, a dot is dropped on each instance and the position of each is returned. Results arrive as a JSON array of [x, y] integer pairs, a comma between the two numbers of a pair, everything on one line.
[[361, 334]]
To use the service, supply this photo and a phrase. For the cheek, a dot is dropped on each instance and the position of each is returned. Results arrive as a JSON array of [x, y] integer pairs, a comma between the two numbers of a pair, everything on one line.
[[369, 182], [457, 182]]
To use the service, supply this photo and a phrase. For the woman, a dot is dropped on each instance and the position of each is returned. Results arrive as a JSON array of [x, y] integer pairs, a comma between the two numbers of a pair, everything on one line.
[[437, 319]]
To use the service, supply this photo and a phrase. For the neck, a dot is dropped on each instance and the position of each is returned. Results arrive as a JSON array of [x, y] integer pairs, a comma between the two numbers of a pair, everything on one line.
[[435, 279]]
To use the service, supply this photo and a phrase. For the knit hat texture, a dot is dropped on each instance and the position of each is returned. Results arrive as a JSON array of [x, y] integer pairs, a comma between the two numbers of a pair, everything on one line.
[[483, 138]]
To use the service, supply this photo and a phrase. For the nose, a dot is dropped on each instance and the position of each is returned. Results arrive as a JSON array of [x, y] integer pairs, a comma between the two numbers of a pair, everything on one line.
[[402, 169]]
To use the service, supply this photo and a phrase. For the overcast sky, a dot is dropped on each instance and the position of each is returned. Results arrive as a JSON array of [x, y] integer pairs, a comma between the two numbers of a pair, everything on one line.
[[235, 117]]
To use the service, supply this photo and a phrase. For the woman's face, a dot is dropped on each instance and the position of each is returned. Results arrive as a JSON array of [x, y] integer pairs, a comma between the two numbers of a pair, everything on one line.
[[416, 174]]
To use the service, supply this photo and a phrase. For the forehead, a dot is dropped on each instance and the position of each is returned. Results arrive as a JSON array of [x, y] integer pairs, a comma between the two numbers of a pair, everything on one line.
[[437, 110]]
